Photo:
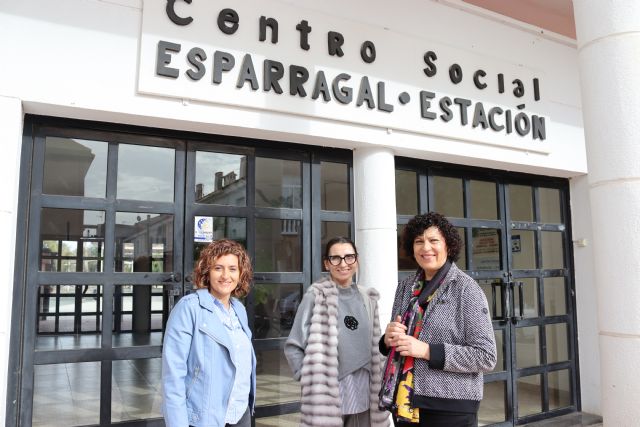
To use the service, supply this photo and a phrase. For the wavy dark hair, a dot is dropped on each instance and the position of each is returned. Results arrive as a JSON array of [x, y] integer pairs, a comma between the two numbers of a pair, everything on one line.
[[419, 223], [215, 250]]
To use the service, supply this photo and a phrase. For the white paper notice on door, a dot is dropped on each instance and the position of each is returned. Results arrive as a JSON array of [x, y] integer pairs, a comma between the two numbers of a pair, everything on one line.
[[203, 229]]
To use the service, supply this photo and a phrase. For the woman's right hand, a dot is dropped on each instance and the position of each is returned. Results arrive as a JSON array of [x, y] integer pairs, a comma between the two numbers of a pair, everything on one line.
[[394, 331]]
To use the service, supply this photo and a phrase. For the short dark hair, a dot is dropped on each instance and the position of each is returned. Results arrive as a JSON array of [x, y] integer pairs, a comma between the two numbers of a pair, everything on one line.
[[335, 241], [419, 223], [215, 250]]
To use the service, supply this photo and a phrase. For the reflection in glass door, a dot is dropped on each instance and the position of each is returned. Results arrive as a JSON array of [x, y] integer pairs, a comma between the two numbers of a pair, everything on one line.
[[264, 198], [115, 222], [515, 233], [103, 267]]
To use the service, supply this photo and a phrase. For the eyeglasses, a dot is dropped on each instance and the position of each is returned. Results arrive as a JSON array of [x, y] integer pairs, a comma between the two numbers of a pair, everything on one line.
[[337, 260]]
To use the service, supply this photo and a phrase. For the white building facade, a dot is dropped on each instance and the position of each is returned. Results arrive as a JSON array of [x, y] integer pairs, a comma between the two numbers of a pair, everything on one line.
[[135, 132]]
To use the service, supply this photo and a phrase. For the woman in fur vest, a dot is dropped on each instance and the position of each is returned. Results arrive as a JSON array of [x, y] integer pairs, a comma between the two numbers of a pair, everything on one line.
[[332, 348]]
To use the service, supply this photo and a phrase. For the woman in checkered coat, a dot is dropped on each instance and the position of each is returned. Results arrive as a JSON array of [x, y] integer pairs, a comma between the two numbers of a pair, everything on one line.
[[440, 339]]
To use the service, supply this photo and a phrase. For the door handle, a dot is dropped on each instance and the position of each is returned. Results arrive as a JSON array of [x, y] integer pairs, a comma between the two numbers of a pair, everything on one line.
[[520, 286], [504, 303]]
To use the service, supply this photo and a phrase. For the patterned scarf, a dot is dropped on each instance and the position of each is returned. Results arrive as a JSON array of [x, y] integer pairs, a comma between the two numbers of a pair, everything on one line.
[[397, 385]]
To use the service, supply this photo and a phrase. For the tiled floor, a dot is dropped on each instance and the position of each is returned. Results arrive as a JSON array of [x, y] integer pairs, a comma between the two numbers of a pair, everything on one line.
[[68, 394], [579, 419]]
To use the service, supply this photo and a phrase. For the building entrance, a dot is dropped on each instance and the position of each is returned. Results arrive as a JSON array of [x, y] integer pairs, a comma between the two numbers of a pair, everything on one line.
[[517, 246], [116, 219]]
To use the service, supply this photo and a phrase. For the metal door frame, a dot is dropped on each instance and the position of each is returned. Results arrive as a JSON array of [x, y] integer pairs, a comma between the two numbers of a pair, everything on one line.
[[23, 358], [425, 171]]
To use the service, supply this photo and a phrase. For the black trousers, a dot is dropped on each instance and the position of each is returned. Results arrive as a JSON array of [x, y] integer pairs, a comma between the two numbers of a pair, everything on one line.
[[442, 419]]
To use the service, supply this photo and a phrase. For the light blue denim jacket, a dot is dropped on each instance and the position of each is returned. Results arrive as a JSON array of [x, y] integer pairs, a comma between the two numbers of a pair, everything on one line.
[[197, 363]]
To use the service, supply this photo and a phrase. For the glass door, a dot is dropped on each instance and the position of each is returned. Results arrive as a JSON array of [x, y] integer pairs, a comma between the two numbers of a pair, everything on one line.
[[103, 268], [116, 218], [542, 323], [515, 230]]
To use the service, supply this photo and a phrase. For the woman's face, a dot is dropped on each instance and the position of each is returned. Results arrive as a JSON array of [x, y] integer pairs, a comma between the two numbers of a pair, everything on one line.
[[430, 251], [224, 277], [343, 272]]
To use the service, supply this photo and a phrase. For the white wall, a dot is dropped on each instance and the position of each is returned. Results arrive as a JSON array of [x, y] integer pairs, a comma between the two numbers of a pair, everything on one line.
[[586, 296], [80, 59], [10, 137]]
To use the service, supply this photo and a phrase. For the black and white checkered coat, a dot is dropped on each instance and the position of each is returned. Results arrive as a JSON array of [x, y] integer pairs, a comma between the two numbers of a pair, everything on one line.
[[458, 317]]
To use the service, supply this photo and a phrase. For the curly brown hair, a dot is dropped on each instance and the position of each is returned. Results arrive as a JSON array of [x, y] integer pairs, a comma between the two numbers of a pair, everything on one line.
[[215, 250], [419, 223]]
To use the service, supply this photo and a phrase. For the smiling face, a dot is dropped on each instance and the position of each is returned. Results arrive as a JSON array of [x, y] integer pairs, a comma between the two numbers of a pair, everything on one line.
[[430, 251], [341, 274], [224, 276]]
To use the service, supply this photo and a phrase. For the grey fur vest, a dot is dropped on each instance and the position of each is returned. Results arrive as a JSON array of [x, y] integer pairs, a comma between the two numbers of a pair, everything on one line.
[[321, 406]]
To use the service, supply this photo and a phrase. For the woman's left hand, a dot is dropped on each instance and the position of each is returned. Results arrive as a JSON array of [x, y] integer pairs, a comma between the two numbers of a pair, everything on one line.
[[410, 346]]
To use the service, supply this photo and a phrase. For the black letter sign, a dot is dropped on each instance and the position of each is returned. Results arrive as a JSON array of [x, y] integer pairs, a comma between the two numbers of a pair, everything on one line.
[[228, 16], [171, 13]]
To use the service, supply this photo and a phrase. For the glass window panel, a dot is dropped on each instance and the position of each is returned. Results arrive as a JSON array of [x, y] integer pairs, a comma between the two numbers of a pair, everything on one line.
[[521, 202], [493, 290], [331, 229], [406, 262], [334, 186], [559, 389], [68, 266], [527, 347], [128, 250], [50, 246], [278, 183], [549, 205], [406, 192], [462, 260], [145, 173], [523, 249], [222, 227], [69, 248], [285, 420], [557, 344], [278, 245], [75, 167], [91, 249], [484, 200], [221, 179], [552, 249], [66, 394], [66, 304], [274, 382], [485, 249], [529, 395], [448, 196], [71, 230], [555, 302], [492, 409], [529, 295], [69, 317], [137, 234], [275, 308], [139, 312], [135, 389]]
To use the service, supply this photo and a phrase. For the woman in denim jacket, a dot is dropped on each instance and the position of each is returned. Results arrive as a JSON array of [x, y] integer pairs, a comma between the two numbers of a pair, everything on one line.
[[207, 345]]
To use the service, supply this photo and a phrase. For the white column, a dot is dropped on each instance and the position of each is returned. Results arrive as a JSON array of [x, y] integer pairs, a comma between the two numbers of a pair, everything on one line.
[[609, 52], [375, 223], [11, 142]]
